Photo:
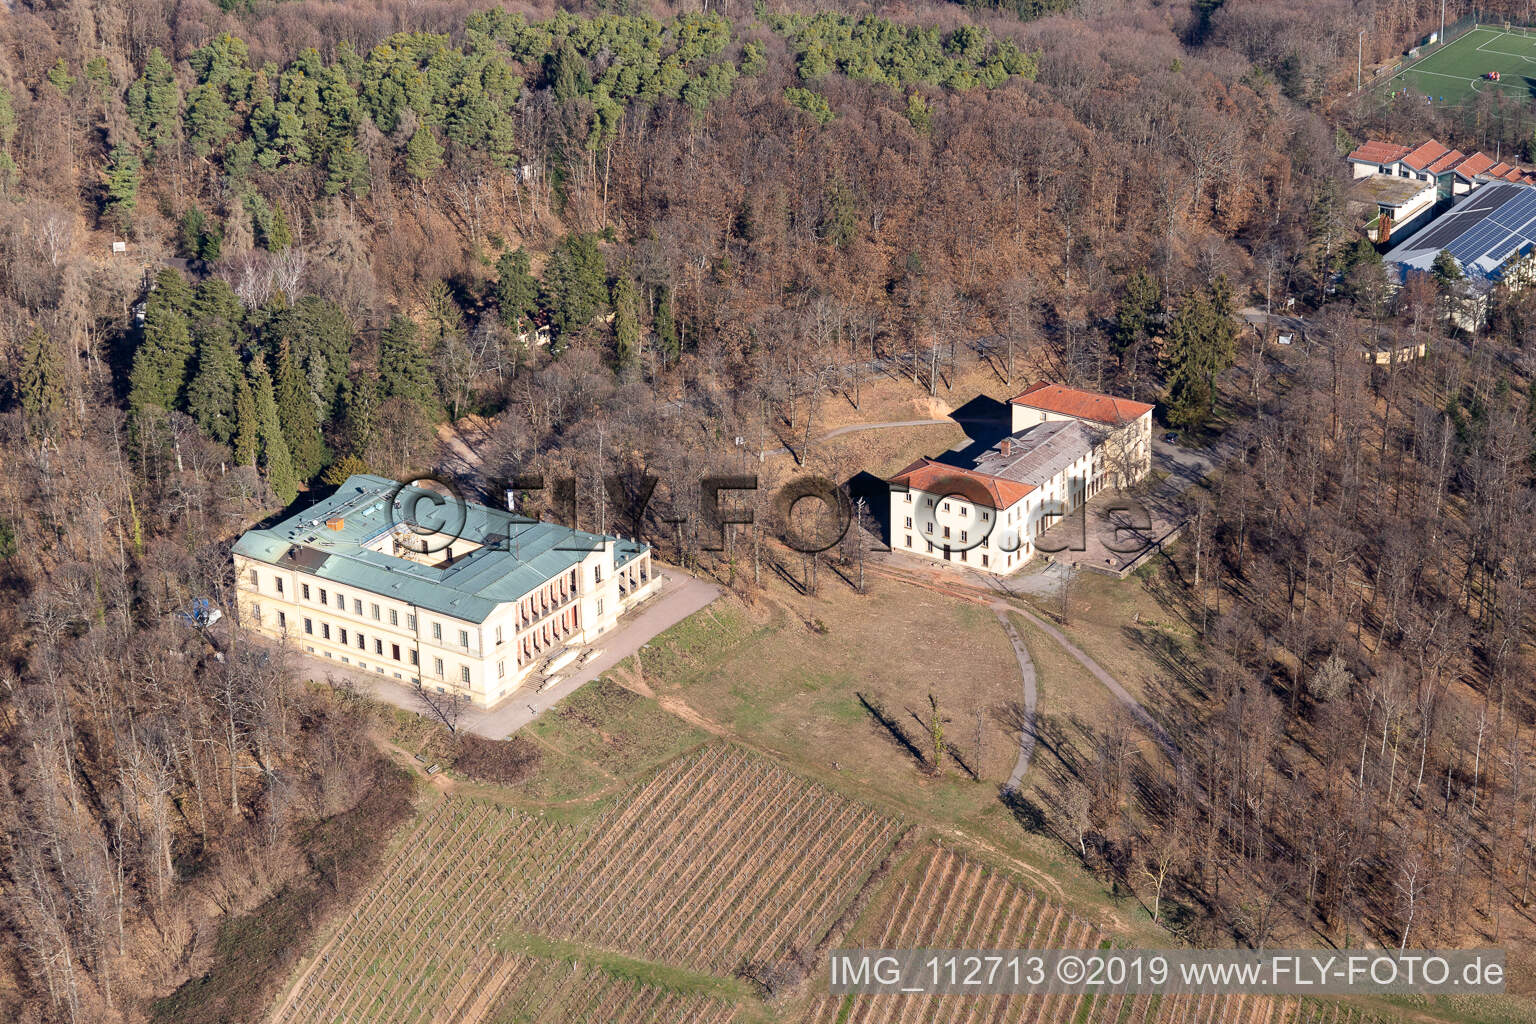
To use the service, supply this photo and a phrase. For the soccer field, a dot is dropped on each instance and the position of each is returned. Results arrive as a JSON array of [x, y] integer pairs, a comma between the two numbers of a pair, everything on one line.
[[1454, 73]]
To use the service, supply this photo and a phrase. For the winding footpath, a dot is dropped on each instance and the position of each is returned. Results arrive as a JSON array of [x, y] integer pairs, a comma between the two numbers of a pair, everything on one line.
[[1027, 670]]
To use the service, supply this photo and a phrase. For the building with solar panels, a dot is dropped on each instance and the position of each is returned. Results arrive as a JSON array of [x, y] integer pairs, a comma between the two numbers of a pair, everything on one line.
[[1490, 233]]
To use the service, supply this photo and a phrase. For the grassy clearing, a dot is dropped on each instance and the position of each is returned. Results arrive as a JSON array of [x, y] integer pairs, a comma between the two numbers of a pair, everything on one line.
[[1453, 74]]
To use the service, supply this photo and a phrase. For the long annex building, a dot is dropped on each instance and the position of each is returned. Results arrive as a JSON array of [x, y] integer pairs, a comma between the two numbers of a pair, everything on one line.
[[469, 600], [987, 512]]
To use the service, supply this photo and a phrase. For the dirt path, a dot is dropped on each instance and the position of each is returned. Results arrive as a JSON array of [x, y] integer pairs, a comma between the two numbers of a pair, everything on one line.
[[1027, 670], [968, 592]]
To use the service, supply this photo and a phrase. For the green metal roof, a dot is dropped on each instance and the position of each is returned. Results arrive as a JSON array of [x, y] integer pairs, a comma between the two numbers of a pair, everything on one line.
[[517, 554]]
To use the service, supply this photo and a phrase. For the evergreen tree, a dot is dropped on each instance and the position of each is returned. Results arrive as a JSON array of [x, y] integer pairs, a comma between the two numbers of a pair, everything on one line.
[[337, 472], [275, 461], [296, 413], [423, 154], [1202, 343], [122, 187], [160, 363], [403, 364], [247, 424], [346, 170], [626, 325], [666, 326], [41, 382], [1137, 316], [1449, 282], [574, 285], [517, 291], [359, 406], [213, 392], [154, 103]]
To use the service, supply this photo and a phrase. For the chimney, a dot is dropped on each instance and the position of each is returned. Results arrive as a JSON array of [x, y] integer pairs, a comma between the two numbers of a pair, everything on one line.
[[1006, 449]]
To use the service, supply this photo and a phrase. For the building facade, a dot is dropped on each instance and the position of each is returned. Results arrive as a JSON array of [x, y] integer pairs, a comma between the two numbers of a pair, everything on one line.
[[464, 599], [988, 512]]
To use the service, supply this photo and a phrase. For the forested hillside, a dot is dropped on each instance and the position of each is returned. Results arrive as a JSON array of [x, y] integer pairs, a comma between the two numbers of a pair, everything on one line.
[[636, 231]]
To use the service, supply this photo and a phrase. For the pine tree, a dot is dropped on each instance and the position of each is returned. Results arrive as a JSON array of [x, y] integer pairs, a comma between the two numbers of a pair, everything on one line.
[[275, 461], [154, 103], [626, 325], [40, 383], [574, 285], [359, 405], [296, 413], [247, 424], [122, 187], [346, 170], [423, 154], [517, 291], [1137, 316], [212, 393], [160, 364], [666, 326], [403, 364]]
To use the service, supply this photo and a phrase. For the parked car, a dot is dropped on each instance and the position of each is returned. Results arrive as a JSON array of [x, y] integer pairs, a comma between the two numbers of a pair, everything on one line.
[[1171, 437]]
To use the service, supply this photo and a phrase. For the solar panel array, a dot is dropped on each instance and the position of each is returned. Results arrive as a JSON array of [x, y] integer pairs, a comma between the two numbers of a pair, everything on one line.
[[1481, 232]]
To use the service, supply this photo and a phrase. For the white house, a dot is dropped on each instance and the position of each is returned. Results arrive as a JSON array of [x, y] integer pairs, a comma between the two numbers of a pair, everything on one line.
[[988, 512]]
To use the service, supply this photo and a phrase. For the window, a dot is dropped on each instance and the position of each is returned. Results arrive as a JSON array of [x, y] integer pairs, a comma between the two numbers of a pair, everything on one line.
[[410, 622], [437, 666], [304, 590], [909, 540], [946, 533], [597, 574], [599, 606], [414, 659], [463, 638], [324, 597], [437, 631], [962, 554], [256, 613], [464, 673], [279, 581], [282, 622], [362, 642], [909, 522], [343, 637], [375, 610], [985, 515], [930, 503], [946, 506], [378, 647], [498, 635], [325, 630], [357, 606], [309, 627], [928, 527], [965, 510], [394, 651], [983, 561], [930, 547], [501, 668], [962, 535], [909, 497], [394, 617], [255, 580]]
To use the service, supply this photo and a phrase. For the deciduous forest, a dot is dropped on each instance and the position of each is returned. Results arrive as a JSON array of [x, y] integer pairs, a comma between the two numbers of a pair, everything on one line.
[[250, 247]]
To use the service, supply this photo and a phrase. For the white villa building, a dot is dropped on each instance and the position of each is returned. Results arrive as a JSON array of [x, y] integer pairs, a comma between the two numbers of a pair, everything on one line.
[[1065, 446], [479, 603]]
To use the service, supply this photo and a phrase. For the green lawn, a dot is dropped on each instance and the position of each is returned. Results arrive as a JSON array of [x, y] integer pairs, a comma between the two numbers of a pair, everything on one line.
[[1454, 72]]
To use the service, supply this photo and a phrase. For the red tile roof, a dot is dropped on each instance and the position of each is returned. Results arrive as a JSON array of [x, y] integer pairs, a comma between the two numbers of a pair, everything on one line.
[[1083, 405], [1474, 165], [1426, 154], [977, 488], [1379, 153], [1446, 162], [1498, 170]]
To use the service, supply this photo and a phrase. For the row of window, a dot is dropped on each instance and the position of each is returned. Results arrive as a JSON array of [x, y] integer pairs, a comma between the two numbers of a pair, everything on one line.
[[340, 635], [375, 612]]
